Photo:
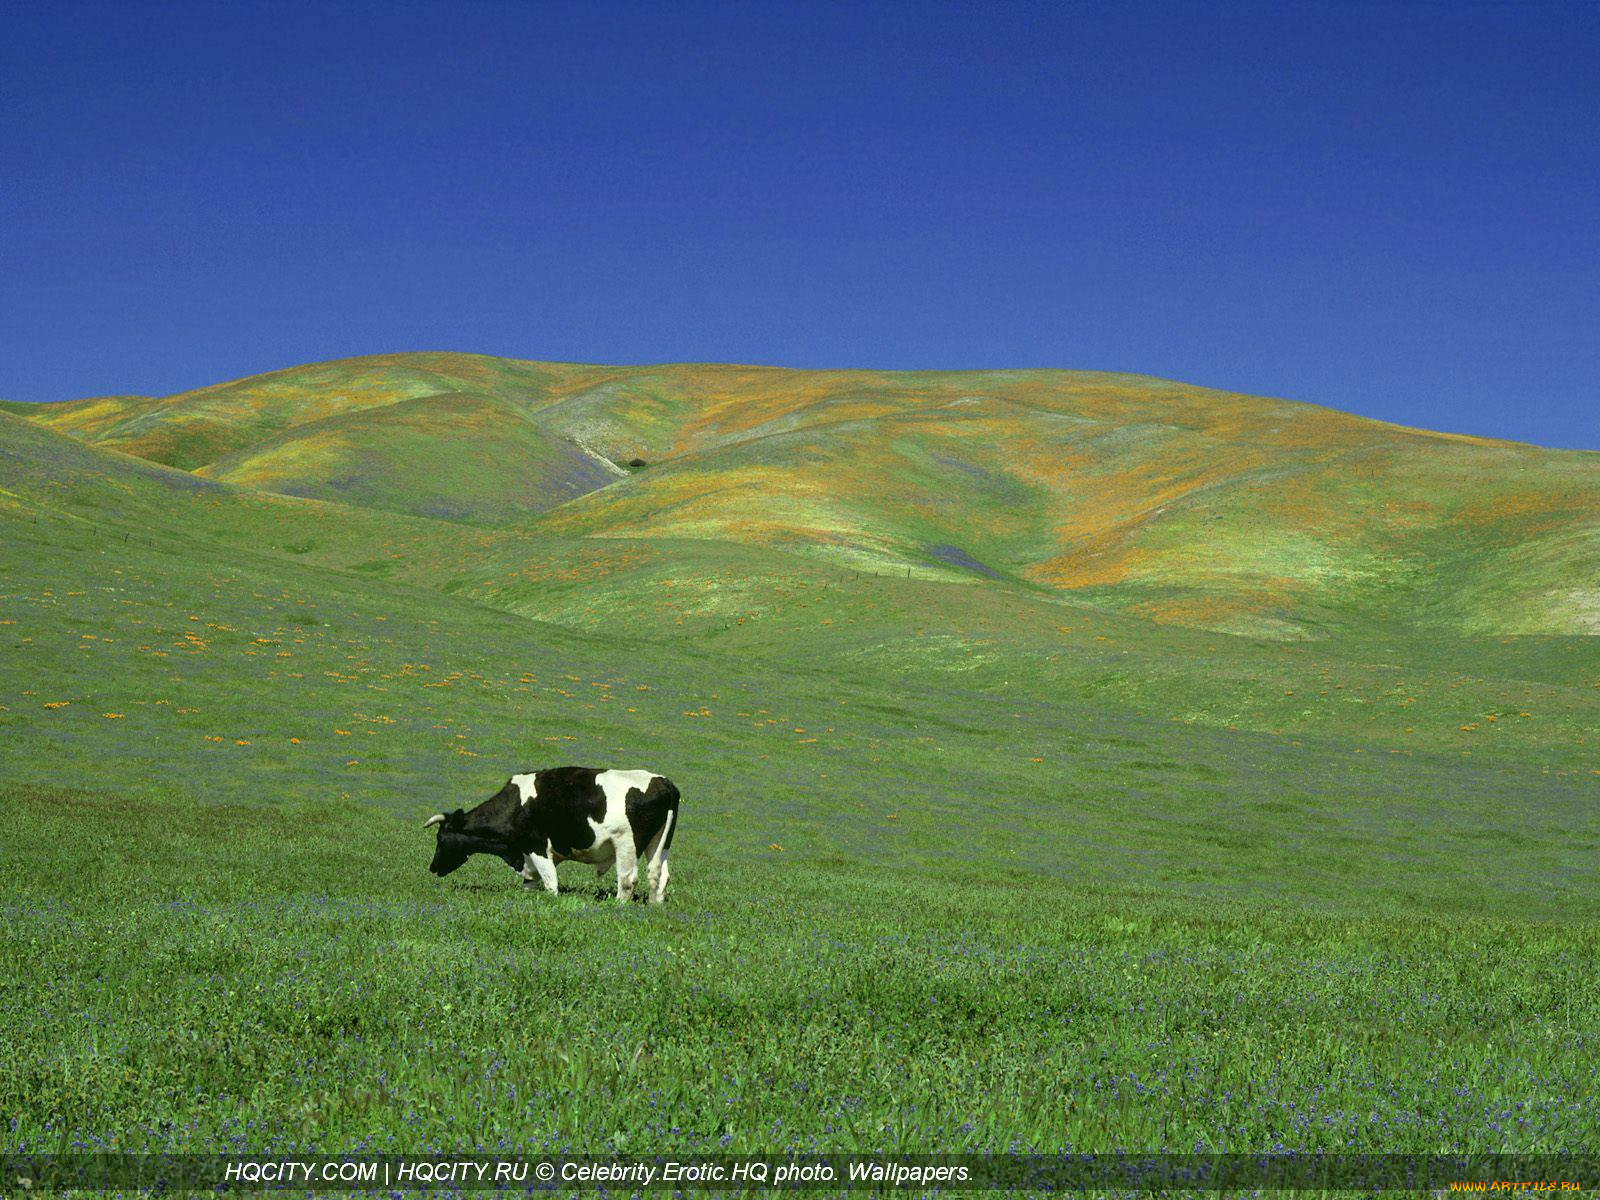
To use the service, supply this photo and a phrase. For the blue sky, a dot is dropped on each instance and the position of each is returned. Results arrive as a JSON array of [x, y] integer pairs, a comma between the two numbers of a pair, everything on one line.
[[1392, 209]]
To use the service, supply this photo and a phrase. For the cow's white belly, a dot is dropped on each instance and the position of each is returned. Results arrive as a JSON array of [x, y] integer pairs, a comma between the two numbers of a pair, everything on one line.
[[595, 855]]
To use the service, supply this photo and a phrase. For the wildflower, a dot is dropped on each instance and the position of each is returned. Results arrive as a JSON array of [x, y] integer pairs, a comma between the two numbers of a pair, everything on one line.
[[111, 716]]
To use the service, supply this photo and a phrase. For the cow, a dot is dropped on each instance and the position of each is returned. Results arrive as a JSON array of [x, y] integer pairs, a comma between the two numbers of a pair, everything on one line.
[[541, 818]]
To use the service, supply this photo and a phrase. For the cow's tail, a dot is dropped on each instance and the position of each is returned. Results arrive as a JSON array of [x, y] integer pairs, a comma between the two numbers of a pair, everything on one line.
[[659, 871], [672, 818]]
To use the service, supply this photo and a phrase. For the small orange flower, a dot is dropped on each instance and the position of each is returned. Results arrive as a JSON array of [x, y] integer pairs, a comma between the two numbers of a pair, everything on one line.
[[112, 716]]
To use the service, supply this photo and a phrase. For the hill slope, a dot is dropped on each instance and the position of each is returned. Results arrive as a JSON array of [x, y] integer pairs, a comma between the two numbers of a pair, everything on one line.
[[452, 455], [196, 428], [311, 645], [1320, 895], [1181, 504]]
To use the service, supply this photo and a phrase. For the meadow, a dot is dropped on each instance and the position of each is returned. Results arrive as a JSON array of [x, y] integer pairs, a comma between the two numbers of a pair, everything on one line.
[[967, 860]]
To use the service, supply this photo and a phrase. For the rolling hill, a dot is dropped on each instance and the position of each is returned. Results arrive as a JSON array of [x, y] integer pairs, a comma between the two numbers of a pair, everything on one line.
[[1180, 504], [457, 456], [1228, 762], [985, 561]]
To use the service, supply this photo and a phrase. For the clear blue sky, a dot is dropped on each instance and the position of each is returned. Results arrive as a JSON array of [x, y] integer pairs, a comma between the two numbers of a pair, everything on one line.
[[1392, 208]]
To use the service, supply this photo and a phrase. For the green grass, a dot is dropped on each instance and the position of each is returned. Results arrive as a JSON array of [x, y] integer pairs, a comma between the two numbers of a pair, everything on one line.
[[282, 681], [965, 862], [240, 976]]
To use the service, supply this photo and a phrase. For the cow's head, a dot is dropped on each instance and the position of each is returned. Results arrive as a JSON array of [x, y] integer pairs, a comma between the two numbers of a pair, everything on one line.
[[453, 847]]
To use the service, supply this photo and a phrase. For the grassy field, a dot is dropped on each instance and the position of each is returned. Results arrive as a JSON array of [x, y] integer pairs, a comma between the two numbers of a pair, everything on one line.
[[969, 858], [252, 977]]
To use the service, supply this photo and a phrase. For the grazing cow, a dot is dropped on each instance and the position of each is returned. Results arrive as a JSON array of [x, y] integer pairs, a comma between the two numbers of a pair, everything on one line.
[[545, 817]]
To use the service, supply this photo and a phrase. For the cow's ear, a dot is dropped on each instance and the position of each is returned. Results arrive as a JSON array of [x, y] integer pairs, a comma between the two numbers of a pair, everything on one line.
[[456, 819]]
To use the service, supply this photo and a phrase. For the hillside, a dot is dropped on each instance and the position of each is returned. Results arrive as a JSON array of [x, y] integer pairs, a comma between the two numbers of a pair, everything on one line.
[[55, 488], [457, 456], [1179, 504], [140, 590], [196, 428], [1327, 889]]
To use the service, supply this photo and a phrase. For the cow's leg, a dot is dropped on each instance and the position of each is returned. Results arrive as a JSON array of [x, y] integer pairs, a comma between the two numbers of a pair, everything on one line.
[[659, 874], [656, 859], [627, 867], [538, 870]]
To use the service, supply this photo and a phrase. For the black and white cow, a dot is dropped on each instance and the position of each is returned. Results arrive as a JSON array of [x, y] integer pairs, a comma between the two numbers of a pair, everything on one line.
[[544, 817]]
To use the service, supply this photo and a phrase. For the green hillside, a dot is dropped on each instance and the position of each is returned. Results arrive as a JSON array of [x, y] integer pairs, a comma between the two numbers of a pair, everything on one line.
[[50, 482], [196, 428], [456, 456], [1179, 504], [1069, 760]]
